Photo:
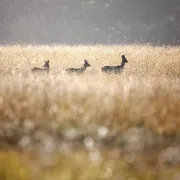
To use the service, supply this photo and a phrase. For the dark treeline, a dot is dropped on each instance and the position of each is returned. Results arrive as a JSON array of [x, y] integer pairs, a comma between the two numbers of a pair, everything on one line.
[[90, 21]]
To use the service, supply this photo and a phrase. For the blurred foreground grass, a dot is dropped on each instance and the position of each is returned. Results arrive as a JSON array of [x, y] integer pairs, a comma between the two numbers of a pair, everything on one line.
[[56, 126], [78, 165], [69, 101]]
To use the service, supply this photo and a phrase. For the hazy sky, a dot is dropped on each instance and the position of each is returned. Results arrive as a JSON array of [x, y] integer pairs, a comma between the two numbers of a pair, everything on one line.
[[89, 21]]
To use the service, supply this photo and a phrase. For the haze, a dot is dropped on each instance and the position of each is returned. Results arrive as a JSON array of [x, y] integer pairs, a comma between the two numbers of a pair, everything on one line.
[[90, 21]]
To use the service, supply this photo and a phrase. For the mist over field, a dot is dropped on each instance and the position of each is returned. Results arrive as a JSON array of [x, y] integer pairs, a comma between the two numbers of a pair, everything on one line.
[[90, 21]]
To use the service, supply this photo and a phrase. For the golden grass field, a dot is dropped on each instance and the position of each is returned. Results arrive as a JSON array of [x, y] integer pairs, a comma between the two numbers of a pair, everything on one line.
[[147, 94]]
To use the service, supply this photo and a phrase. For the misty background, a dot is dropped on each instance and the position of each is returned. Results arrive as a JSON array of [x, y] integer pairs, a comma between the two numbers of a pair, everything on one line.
[[90, 21]]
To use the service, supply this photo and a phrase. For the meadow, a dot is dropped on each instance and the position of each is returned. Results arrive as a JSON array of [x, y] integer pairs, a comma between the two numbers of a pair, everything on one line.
[[60, 126]]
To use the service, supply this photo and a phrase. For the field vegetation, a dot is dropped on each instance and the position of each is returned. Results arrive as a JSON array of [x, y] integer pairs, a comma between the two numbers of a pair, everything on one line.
[[61, 126]]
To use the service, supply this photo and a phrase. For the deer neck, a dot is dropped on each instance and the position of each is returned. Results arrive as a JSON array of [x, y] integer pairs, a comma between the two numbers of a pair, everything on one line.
[[84, 68], [122, 64]]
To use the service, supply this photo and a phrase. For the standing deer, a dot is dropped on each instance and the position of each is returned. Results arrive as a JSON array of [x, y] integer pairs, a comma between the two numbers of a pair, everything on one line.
[[78, 70], [115, 69], [44, 69]]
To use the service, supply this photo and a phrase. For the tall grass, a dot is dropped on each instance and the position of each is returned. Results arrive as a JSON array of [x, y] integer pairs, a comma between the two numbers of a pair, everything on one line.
[[143, 60], [147, 92]]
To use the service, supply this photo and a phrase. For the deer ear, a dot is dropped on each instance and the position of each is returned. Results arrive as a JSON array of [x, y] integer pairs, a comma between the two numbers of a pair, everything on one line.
[[45, 61]]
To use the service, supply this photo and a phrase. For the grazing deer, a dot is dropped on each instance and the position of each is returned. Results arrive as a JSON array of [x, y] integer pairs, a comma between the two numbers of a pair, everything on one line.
[[44, 69], [115, 69], [79, 70]]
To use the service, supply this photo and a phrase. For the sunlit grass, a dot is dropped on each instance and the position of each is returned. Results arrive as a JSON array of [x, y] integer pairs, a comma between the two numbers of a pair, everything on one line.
[[146, 94], [114, 102], [143, 60]]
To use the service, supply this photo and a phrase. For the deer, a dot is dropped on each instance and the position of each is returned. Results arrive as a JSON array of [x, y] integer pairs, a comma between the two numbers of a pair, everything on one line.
[[115, 69], [44, 69], [79, 70]]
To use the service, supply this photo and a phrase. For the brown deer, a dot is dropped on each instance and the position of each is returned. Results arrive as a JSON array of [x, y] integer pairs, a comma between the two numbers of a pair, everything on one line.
[[115, 69], [78, 70], [44, 69]]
